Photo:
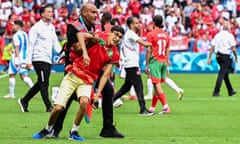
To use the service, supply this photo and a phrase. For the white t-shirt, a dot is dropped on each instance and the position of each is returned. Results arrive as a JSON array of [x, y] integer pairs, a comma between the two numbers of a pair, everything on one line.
[[223, 42], [131, 49]]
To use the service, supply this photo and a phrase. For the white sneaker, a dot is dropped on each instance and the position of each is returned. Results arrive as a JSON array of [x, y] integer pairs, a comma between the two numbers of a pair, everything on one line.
[[117, 103], [147, 97], [9, 96], [180, 94]]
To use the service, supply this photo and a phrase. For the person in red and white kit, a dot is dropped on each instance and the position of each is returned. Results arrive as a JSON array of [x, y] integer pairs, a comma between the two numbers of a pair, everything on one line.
[[157, 59]]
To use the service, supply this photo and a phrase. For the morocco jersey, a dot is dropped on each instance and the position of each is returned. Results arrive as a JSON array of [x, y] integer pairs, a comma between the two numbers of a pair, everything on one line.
[[160, 44], [99, 57]]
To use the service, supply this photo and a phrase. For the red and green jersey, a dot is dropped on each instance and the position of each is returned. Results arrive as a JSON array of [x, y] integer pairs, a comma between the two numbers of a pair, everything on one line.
[[99, 57], [160, 43]]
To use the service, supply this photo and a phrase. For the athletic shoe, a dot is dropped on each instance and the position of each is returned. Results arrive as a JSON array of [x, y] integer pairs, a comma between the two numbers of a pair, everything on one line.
[[75, 136], [117, 103], [152, 109], [232, 93], [146, 112], [23, 105], [165, 111], [42, 134], [53, 134], [180, 94], [9, 96], [147, 97], [49, 109], [110, 133]]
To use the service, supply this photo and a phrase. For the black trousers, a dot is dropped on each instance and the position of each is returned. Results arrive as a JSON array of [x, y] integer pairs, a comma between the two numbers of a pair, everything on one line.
[[107, 108], [133, 77], [43, 71], [224, 62]]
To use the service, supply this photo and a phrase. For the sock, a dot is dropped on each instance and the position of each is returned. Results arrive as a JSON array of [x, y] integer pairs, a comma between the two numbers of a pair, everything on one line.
[[154, 101], [149, 87], [28, 81], [172, 84], [165, 106], [49, 127], [162, 99], [75, 128], [132, 91], [12, 83]]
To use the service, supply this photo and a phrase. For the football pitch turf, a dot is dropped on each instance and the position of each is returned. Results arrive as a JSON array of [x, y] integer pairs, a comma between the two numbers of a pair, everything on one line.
[[198, 119]]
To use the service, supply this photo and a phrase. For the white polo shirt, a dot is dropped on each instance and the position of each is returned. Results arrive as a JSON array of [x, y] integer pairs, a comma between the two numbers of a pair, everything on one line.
[[42, 40], [223, 42], [131, 49]]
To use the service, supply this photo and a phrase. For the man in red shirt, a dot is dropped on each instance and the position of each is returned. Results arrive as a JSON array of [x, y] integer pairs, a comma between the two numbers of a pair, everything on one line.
[[81, 75], [157, 63]]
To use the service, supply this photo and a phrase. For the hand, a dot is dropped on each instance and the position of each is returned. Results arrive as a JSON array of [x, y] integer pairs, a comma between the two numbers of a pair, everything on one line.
[[86, 59], [29, 66], [94, 102], [209, 61], [146, 70]]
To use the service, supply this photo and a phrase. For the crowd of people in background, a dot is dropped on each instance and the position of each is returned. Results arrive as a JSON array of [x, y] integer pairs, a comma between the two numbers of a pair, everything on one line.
[[197, 20]]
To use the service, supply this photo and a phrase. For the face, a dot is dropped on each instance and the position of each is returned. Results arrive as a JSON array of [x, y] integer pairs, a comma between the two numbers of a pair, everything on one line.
[[135, 25], [91, 14], [115, 38], [15, 28], [47, 14]]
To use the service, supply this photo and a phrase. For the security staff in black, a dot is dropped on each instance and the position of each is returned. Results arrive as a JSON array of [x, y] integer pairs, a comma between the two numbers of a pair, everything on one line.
[[224, 45], [85, 23]]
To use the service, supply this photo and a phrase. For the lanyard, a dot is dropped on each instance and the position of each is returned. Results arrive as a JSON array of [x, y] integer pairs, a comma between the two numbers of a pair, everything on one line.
[[83, 24]]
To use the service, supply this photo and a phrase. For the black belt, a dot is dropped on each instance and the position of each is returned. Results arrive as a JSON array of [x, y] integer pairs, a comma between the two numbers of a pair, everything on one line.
[[220, 54]]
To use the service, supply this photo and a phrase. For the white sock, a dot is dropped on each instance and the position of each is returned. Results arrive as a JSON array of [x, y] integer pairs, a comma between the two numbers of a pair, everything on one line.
[[132, 91], [28, 81], [172, 84], [75, 128], [149, 87], [12, 83], [49, 127], [165, 106]]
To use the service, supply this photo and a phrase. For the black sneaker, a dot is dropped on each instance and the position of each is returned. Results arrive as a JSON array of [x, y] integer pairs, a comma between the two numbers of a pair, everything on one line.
[[42, 134], [110, 133], [232, 93], [146, 112], [215, 94], [23, 105]]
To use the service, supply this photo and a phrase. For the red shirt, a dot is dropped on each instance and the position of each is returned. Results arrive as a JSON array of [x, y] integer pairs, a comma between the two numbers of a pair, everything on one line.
[[99, 57], [160, 42]]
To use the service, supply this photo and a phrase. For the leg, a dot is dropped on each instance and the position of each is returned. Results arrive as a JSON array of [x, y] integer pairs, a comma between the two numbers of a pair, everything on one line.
[[108, 129], [224, 64], [60, 120], [125, 87]]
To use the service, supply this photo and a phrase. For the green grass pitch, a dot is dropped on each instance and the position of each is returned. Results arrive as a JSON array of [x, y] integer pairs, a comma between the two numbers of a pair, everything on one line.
[[198, 119]]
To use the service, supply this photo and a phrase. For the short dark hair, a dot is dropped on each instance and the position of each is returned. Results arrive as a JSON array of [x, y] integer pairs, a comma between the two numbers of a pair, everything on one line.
[[42, 9], [129, 21], [158, 21], [118, 29], [106, 17], [18, 22]]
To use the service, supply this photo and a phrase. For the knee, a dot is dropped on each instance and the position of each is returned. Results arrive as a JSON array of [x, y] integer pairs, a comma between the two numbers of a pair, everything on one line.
[[84, 102], [58, 108]]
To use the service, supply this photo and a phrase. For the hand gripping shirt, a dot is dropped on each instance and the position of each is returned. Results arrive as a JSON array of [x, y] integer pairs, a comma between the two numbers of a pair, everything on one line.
[[99, 57]]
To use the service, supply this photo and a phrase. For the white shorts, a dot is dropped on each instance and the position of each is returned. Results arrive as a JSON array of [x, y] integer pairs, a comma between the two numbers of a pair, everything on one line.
[[21, 69], [70, 84]]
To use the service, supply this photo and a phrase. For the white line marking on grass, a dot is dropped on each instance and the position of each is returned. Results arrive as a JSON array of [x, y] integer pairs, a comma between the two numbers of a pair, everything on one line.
[[211, 98]]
